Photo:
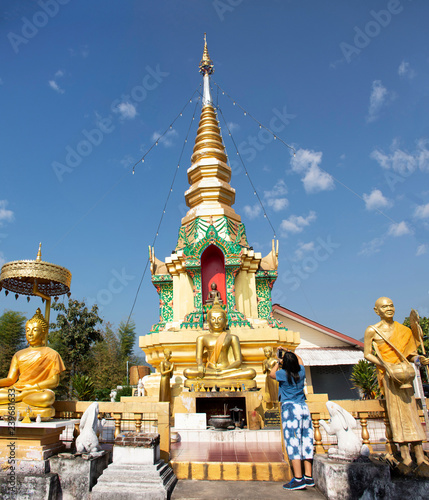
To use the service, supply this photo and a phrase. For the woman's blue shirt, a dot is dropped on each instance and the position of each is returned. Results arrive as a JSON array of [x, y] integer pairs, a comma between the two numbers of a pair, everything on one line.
[[291, 392]]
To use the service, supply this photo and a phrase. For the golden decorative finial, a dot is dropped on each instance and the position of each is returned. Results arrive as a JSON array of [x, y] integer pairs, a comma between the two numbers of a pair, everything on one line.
[[39, 253], [206, 64]]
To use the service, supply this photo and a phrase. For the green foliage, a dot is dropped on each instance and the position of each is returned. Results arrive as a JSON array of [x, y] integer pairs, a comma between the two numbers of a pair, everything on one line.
[[12, 338], [83, 388], [127, 337], [73, 335], [102, 394], [126, 390], [364, 378], [108, 369]]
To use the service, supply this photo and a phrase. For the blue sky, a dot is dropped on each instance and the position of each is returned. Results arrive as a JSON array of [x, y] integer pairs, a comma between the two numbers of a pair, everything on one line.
[[86, 88]]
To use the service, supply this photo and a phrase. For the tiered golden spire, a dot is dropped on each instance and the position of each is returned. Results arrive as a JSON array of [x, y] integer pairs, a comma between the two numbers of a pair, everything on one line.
[[210, 194]]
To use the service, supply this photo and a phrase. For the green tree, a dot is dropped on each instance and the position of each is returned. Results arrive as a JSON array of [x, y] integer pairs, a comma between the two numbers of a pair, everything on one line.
[[364, 378], [73, 335], [107, 365], [12, 338], [127, 337]]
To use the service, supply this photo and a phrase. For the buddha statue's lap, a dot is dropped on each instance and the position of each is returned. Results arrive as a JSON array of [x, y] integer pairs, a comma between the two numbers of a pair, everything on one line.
[[224, 359], [33, 373]]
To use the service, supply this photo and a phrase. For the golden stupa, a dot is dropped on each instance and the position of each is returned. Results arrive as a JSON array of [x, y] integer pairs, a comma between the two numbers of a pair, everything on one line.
[[212, 248]]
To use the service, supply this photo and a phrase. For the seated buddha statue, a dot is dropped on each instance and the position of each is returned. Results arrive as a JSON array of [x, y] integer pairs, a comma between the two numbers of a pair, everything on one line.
[[33, 373], [224, 359], [213, 294]]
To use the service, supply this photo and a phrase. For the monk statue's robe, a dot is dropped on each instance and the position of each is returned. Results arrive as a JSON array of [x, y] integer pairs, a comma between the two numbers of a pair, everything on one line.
[[400, 402]]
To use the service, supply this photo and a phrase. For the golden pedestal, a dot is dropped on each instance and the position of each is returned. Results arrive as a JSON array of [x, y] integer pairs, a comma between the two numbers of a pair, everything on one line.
[[34, 441], [223, 384], [45, 413]]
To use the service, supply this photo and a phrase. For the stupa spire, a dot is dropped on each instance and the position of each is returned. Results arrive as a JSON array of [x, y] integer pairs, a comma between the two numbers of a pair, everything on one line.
[[210, 194], [206, 69]]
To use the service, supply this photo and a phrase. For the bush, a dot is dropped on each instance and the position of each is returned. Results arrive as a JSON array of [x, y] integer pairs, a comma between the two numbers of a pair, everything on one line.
[[126, 390], [102, 394], [83, 388], [364, 378]]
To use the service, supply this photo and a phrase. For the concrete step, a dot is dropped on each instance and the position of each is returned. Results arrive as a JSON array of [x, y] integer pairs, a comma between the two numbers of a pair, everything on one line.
[[232, 471]]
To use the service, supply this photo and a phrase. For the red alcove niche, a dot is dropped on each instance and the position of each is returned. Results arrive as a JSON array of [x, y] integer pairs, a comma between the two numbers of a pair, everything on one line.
[[213, 271]]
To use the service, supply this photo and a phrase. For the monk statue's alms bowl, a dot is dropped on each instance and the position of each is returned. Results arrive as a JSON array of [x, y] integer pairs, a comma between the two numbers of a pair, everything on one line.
[[403, 373]]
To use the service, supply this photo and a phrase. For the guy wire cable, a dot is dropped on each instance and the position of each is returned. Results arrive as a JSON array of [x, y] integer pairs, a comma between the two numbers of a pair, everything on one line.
[[276, 137], [260, 201], [122, 176], [165, 204]]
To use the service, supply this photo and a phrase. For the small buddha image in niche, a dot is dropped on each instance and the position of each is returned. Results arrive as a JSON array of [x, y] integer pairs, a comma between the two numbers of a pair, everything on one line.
[[213, 294]]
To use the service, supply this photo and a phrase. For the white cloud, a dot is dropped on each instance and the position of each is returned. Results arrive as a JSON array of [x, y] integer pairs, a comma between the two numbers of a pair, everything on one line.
[[401, 161], [126, 110], [304, 248], [296, 223], [252, 212], [54, 85], [379, 97], [315, 179], [372, 247], [233, 126], [399, 229], [5, 214], [167, 139], [59, 73], [405, 70], [83, 51], [275, 198], [375, 200], [2, 259], [421, 250], [422, 211]]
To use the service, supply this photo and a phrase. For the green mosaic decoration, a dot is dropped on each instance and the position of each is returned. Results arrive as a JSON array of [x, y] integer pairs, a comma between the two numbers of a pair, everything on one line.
[[264, 284], [225, 228], [164, 286], [195, 319]]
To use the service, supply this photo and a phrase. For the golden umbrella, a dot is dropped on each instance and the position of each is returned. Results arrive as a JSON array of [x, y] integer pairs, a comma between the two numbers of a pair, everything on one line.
[[35, 277]]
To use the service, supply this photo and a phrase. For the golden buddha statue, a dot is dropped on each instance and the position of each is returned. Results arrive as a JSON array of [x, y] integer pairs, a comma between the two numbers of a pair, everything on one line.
[[33, 373], [391, 346], [271, 385], [166, 369], [213, 295], [224, 359]]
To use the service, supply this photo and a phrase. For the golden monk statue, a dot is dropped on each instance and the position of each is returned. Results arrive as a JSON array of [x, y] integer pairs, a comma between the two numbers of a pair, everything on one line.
[[166, 369], [223, 351], [213, 295], [390, 346], [33, 373], [271, 385]]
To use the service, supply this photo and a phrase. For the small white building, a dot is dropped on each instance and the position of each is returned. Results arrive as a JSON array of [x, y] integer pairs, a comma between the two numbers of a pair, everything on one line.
[[328, 355]]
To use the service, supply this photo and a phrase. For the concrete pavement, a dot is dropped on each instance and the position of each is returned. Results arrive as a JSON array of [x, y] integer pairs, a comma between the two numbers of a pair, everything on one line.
[[239, 490]]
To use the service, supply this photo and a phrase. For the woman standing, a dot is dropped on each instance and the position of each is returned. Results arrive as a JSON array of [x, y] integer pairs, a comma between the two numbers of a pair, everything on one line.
[[289, 372]]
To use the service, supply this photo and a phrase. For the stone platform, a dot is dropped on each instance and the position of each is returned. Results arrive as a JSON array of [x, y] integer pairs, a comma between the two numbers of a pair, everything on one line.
[[341, 480], [137, 472], [33, 441]]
